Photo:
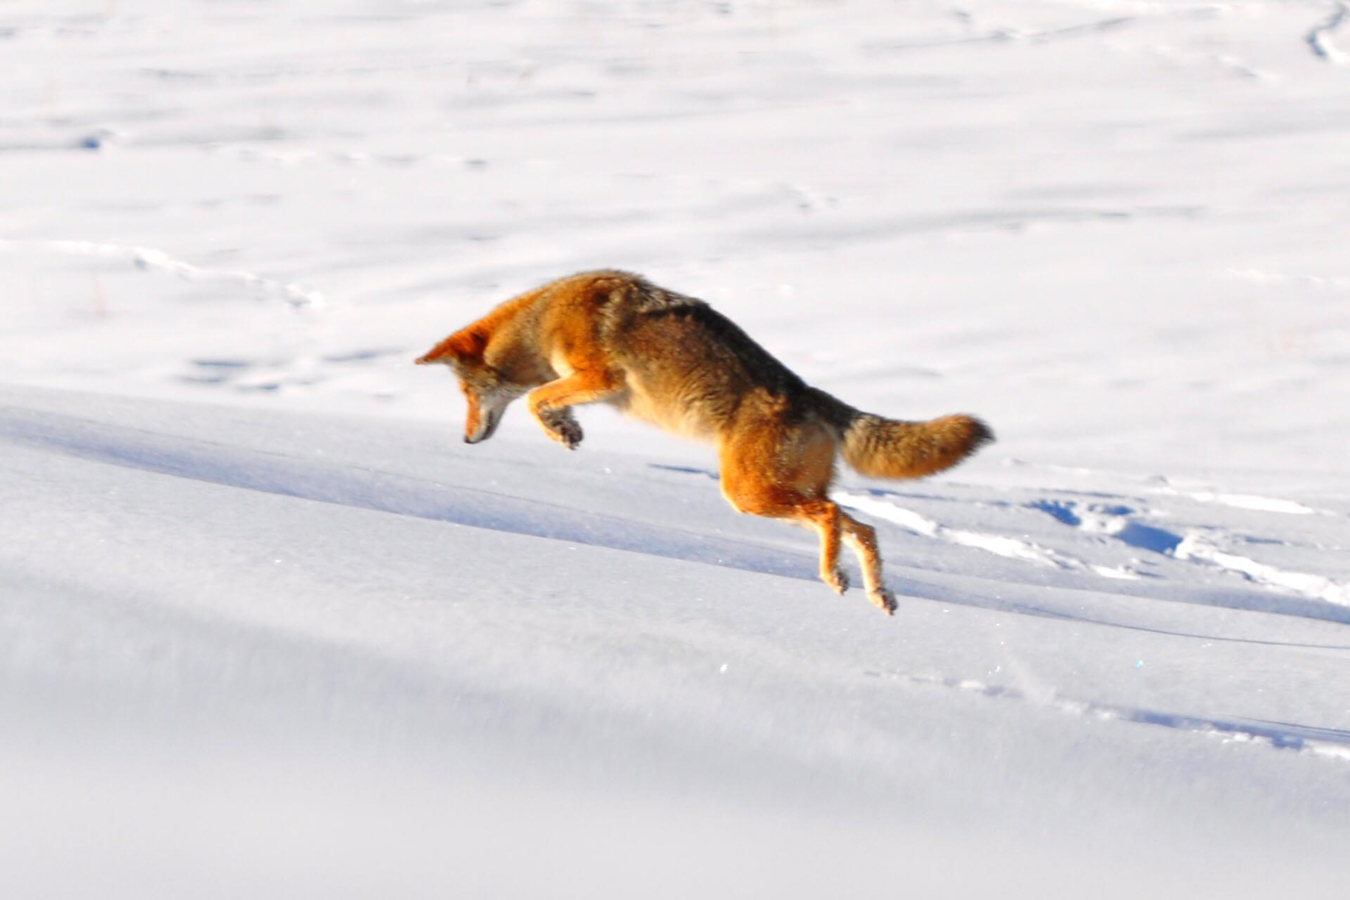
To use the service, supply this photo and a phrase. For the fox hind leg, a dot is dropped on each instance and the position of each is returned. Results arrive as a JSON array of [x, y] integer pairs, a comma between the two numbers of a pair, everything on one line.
[[820, 514], [756, 481], [826, 521], [825, 516], [862, 540]]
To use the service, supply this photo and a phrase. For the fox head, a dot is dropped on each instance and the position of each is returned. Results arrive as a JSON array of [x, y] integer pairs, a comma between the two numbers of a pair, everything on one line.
[[485, 387]]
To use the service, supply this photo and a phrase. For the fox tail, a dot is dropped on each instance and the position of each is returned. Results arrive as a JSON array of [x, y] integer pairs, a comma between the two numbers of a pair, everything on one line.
[[887, 448]]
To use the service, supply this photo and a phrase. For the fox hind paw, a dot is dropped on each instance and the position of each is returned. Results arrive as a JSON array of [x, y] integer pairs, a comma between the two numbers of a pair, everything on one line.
[[837, 580], [883, 599]]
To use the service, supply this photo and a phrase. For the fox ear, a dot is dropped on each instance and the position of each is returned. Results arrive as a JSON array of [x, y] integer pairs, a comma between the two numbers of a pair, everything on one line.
[[466, 346]]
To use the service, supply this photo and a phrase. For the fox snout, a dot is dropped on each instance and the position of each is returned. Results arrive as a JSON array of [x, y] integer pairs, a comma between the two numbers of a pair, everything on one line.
[[477, 432], [485, 414]]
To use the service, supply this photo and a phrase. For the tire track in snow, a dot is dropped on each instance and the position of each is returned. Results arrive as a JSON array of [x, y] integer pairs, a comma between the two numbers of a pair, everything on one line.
[[1328, 743], [150, 259]]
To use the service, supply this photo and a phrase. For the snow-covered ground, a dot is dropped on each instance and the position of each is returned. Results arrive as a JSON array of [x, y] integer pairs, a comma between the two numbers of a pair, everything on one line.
[[268, 628]]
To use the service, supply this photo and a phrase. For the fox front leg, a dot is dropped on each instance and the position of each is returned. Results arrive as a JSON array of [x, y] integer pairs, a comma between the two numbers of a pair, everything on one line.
[[552, 404]]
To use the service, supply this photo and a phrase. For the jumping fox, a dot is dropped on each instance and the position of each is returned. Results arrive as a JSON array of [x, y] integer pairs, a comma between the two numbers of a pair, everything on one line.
[[614, 337]]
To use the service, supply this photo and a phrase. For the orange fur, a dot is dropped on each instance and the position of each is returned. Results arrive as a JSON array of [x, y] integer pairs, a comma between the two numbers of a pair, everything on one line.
[[671, 360]]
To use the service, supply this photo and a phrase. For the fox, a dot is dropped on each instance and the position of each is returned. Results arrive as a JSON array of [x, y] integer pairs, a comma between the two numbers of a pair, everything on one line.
[[673, 361]]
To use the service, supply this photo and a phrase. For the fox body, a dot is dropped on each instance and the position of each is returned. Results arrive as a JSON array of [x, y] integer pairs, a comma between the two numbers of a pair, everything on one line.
[[613, 337]]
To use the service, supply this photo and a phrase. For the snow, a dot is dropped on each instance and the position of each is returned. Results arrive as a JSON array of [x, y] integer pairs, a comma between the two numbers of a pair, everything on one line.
[[269, 628]]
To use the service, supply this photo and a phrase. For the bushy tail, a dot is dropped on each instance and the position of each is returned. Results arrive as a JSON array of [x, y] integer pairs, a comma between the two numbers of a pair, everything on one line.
[[886, 448]]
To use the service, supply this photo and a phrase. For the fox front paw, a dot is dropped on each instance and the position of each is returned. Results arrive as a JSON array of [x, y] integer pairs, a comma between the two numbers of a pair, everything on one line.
[[566, 432], [569, 434], [560, 426], [837, 580]]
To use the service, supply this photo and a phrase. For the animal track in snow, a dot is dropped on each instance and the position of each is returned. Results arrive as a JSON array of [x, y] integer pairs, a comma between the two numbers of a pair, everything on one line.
[[255, 375], [1319, 38], [150, 259], [1110, 519], [1326, 282], [1328, 743], [1198, 545], [1243, 501], [1001, 545]]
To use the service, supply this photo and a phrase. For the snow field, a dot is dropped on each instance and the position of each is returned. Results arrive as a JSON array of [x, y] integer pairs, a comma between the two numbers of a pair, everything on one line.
[[268, 628]]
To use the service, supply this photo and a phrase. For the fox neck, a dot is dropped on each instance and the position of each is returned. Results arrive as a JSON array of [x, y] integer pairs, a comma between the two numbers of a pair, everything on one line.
[[513, 348], [519, 364]]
